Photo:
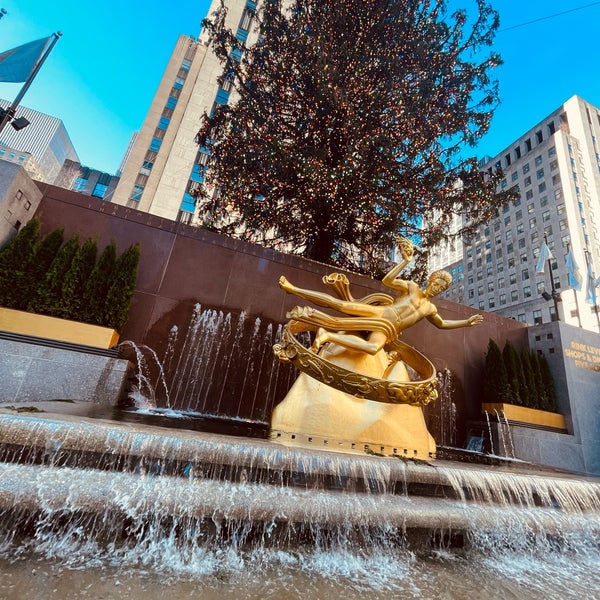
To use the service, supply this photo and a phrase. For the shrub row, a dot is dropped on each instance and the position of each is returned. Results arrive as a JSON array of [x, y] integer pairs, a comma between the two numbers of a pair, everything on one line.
[[522, 378], [49, 276]]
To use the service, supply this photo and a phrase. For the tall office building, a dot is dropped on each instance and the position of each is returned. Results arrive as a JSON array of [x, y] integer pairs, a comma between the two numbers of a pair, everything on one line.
[[41, 147], [165, 165], [556, 168]]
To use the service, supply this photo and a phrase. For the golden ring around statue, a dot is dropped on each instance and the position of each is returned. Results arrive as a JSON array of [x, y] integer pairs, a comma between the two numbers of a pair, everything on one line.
[[414, 393]]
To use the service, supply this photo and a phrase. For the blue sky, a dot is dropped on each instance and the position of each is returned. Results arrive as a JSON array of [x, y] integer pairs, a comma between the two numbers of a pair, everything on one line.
[[102, 74]]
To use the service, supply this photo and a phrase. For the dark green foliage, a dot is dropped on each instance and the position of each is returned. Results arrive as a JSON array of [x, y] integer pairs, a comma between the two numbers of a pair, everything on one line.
[[528, 387], [67, 282], [48, 298], [548, 383], [514, 370], [495, 385], [522, 378], [541, 391], [72, 293], [15, 259], [98, 285], [45, 253], [121, 290], [352, 123]]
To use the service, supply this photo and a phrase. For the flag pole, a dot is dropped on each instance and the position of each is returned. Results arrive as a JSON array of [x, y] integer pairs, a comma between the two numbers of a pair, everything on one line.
[[588, 260], [575, 294], [555, 295], [10, 112]]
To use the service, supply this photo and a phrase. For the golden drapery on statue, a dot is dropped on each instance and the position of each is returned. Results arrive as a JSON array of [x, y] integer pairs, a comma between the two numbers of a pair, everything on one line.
[[360, 387]]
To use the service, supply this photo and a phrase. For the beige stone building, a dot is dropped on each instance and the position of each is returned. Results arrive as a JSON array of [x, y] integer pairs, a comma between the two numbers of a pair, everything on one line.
[[165, 164]]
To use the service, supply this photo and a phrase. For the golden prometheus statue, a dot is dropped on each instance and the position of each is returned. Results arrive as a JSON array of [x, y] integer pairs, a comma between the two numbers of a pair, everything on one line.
[[361, 388]]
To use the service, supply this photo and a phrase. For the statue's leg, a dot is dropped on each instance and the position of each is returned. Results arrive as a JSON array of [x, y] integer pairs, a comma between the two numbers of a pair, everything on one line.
[[346, 340]]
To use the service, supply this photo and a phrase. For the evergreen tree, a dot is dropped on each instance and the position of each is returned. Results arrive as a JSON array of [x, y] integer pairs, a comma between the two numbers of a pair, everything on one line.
[[72, 293], [48, 298], [350, 127], [44, 254], [548, 385], [541, 392], [15, 259], [528, 387], [122, 288], [496, 387], [514, 370], [98, 285]]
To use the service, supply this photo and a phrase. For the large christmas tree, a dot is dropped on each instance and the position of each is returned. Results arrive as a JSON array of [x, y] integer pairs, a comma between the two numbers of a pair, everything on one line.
[[349, 125]]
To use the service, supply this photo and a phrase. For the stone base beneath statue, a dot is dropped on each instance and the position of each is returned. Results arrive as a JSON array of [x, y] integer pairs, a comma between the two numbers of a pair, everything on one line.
[[314, 415]]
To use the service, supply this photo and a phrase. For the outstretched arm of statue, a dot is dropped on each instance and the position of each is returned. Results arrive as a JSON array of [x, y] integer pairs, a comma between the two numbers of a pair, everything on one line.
[[391, 278], [440, 323]]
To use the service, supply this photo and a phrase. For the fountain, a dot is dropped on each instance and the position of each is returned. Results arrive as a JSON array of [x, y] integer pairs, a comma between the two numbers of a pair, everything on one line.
[[93, 508]]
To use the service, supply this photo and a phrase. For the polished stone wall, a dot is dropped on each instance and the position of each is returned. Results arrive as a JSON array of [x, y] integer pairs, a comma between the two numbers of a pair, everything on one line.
[[185, 270], [32, 373]]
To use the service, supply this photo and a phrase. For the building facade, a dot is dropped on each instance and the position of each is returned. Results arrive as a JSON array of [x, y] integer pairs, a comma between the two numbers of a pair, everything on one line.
[[19, 199], [88, 181], [41, 147], [556, 168], [165, 165]]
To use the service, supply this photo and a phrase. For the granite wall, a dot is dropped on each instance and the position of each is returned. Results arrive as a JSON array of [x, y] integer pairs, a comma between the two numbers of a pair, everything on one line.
[[194, 284]]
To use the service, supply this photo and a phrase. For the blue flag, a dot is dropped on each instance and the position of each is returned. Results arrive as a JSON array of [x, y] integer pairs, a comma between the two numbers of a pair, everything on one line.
[[590, 292], [574, 276], [545, 255], [17, 64]]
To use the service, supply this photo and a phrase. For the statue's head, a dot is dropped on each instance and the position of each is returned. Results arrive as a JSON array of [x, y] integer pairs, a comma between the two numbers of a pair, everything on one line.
[[438, 282]]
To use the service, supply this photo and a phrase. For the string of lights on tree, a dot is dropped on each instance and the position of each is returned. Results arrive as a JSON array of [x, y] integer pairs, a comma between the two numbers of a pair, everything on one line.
[[350, 126]]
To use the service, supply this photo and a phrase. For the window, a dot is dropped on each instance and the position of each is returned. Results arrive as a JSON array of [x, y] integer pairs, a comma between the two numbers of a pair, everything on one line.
[[528, 144], [539, 136], [163, 123], [538, 160], [521, 317], [546, 215], [520, 228], [99, 190], [562, 224], [136, 193], [514, 176], [556, 179], [491, 303], [543, 200], [512, 278], [524, 274], [527, 181], [509, 248], [155, 144], [521, 243], [527, 292], [27, 205], [537, 317], [542, 187], [525, 168], [186, 64], [511, 262], [514, 296], [540, 174], [490, 286], [529, 195], [560, 209], [502, 299], [79, 184], [179, 81], [171, 102]]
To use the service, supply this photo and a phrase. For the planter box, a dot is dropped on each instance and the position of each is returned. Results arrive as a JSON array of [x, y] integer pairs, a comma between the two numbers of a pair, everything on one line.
[[520, 415], [41, 326]]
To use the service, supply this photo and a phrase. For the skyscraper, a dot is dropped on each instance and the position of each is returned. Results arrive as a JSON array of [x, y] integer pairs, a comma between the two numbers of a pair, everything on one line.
[[41, 148], [165, 165], [556, 168]]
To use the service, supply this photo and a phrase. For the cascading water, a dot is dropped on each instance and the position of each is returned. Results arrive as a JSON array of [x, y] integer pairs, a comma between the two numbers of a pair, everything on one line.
[[135, 511]]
